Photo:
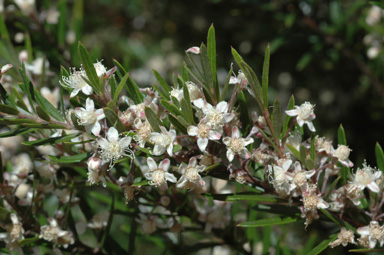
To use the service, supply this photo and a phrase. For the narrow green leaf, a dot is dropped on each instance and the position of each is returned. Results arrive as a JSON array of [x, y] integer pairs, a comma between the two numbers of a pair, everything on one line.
[[27, 86], [226, 85], [8, 109], [113, 119], [120, 87], [323, 245], [171, 108], [207, 93], [28, 241], [48, 107], [206, 68], [184, 73], [251, 78], [176, 102], [119, 66], [51, 140], [133, 91], [109, 223], [161, 92], [28, 46], [42, 113], [19, 131], [244, 197], [341, 139], [15, 121], [294, 151], [243, 107], [187, 97], [69, 159], [187, 111], [164, 85], [44, 126], [153, 120], [379, 157], [211, 49], [177, 124], [370, 251], [276, 120], [89, 68], [303, 154], [267, 222], [3, 28], [291, 105], [313, 147], [266, 76]]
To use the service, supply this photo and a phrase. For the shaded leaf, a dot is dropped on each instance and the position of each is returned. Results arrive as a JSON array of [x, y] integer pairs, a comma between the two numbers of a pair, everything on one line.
[[379, 157], [153, 120], [120, 87], [89, 68], [42, 113], [8, 109], [113, 119], [51, 140], [69, 159], [265, 79], [276, 120], [211, 49], [133, 91], [323, 245], [268, 222]]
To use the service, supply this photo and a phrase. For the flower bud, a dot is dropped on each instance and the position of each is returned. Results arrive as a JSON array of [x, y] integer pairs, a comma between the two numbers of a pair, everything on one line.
[[5, 68], [165, 200], [94, 163]]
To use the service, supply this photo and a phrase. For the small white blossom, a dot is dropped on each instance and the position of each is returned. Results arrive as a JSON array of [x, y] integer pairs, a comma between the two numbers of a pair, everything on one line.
[[76, 82], [53, 233], [14, 234], [236, 145], [114, 148], [217, 116], [203, 132], [89, 117], [242, 81], [371, 234], [38, 65], [99, 220], [163, 141], [194, 50], [342, 153], [26, 6], [344, 237], [366, 177], [194, 91], [159, 175], [277, 175], [299, 178], [374, 15], [304, 115], [5, 68], [190, 177], [177, 93]]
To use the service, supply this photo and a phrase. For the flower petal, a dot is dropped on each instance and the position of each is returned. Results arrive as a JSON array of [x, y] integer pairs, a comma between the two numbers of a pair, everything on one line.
[[89, 105], [112, 134], [87, 90], [151, 164], [165, 164], [373, 187], [292, 112], [222, 106], [235, 132], [192, 130], [194, 50], [202, 143]]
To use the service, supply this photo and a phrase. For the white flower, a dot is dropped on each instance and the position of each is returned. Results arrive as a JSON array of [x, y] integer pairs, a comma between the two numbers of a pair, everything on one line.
[[299, 178], [194, 50], [52, 16], [89, 117], [53, 233], [99, 220], [5, 68], [242, 80], [177, 93], [207, 159], [76, 82], [143, 130], [277, 174], [374, 15], [236, 145], [371, 234], [194, 91], [342, 154], [52, 96], [366, 177], [344, 237], [100, 68], [163, 141], [217, 116], [203, 132], [37, 66], [158, 175], [304, 115], [26, 6], [190, 177], [14, 234], [114, 148]]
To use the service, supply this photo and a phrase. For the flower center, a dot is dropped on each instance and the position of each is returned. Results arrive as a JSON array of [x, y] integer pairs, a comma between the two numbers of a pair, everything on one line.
[[88, 118], [300, 179], [310, 202], [192, 174], [342, 152], [236, 145], [305, 111], [113, 151], [158, 177], [215, 118], [363, 177], [162, 140], [203, 131]]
